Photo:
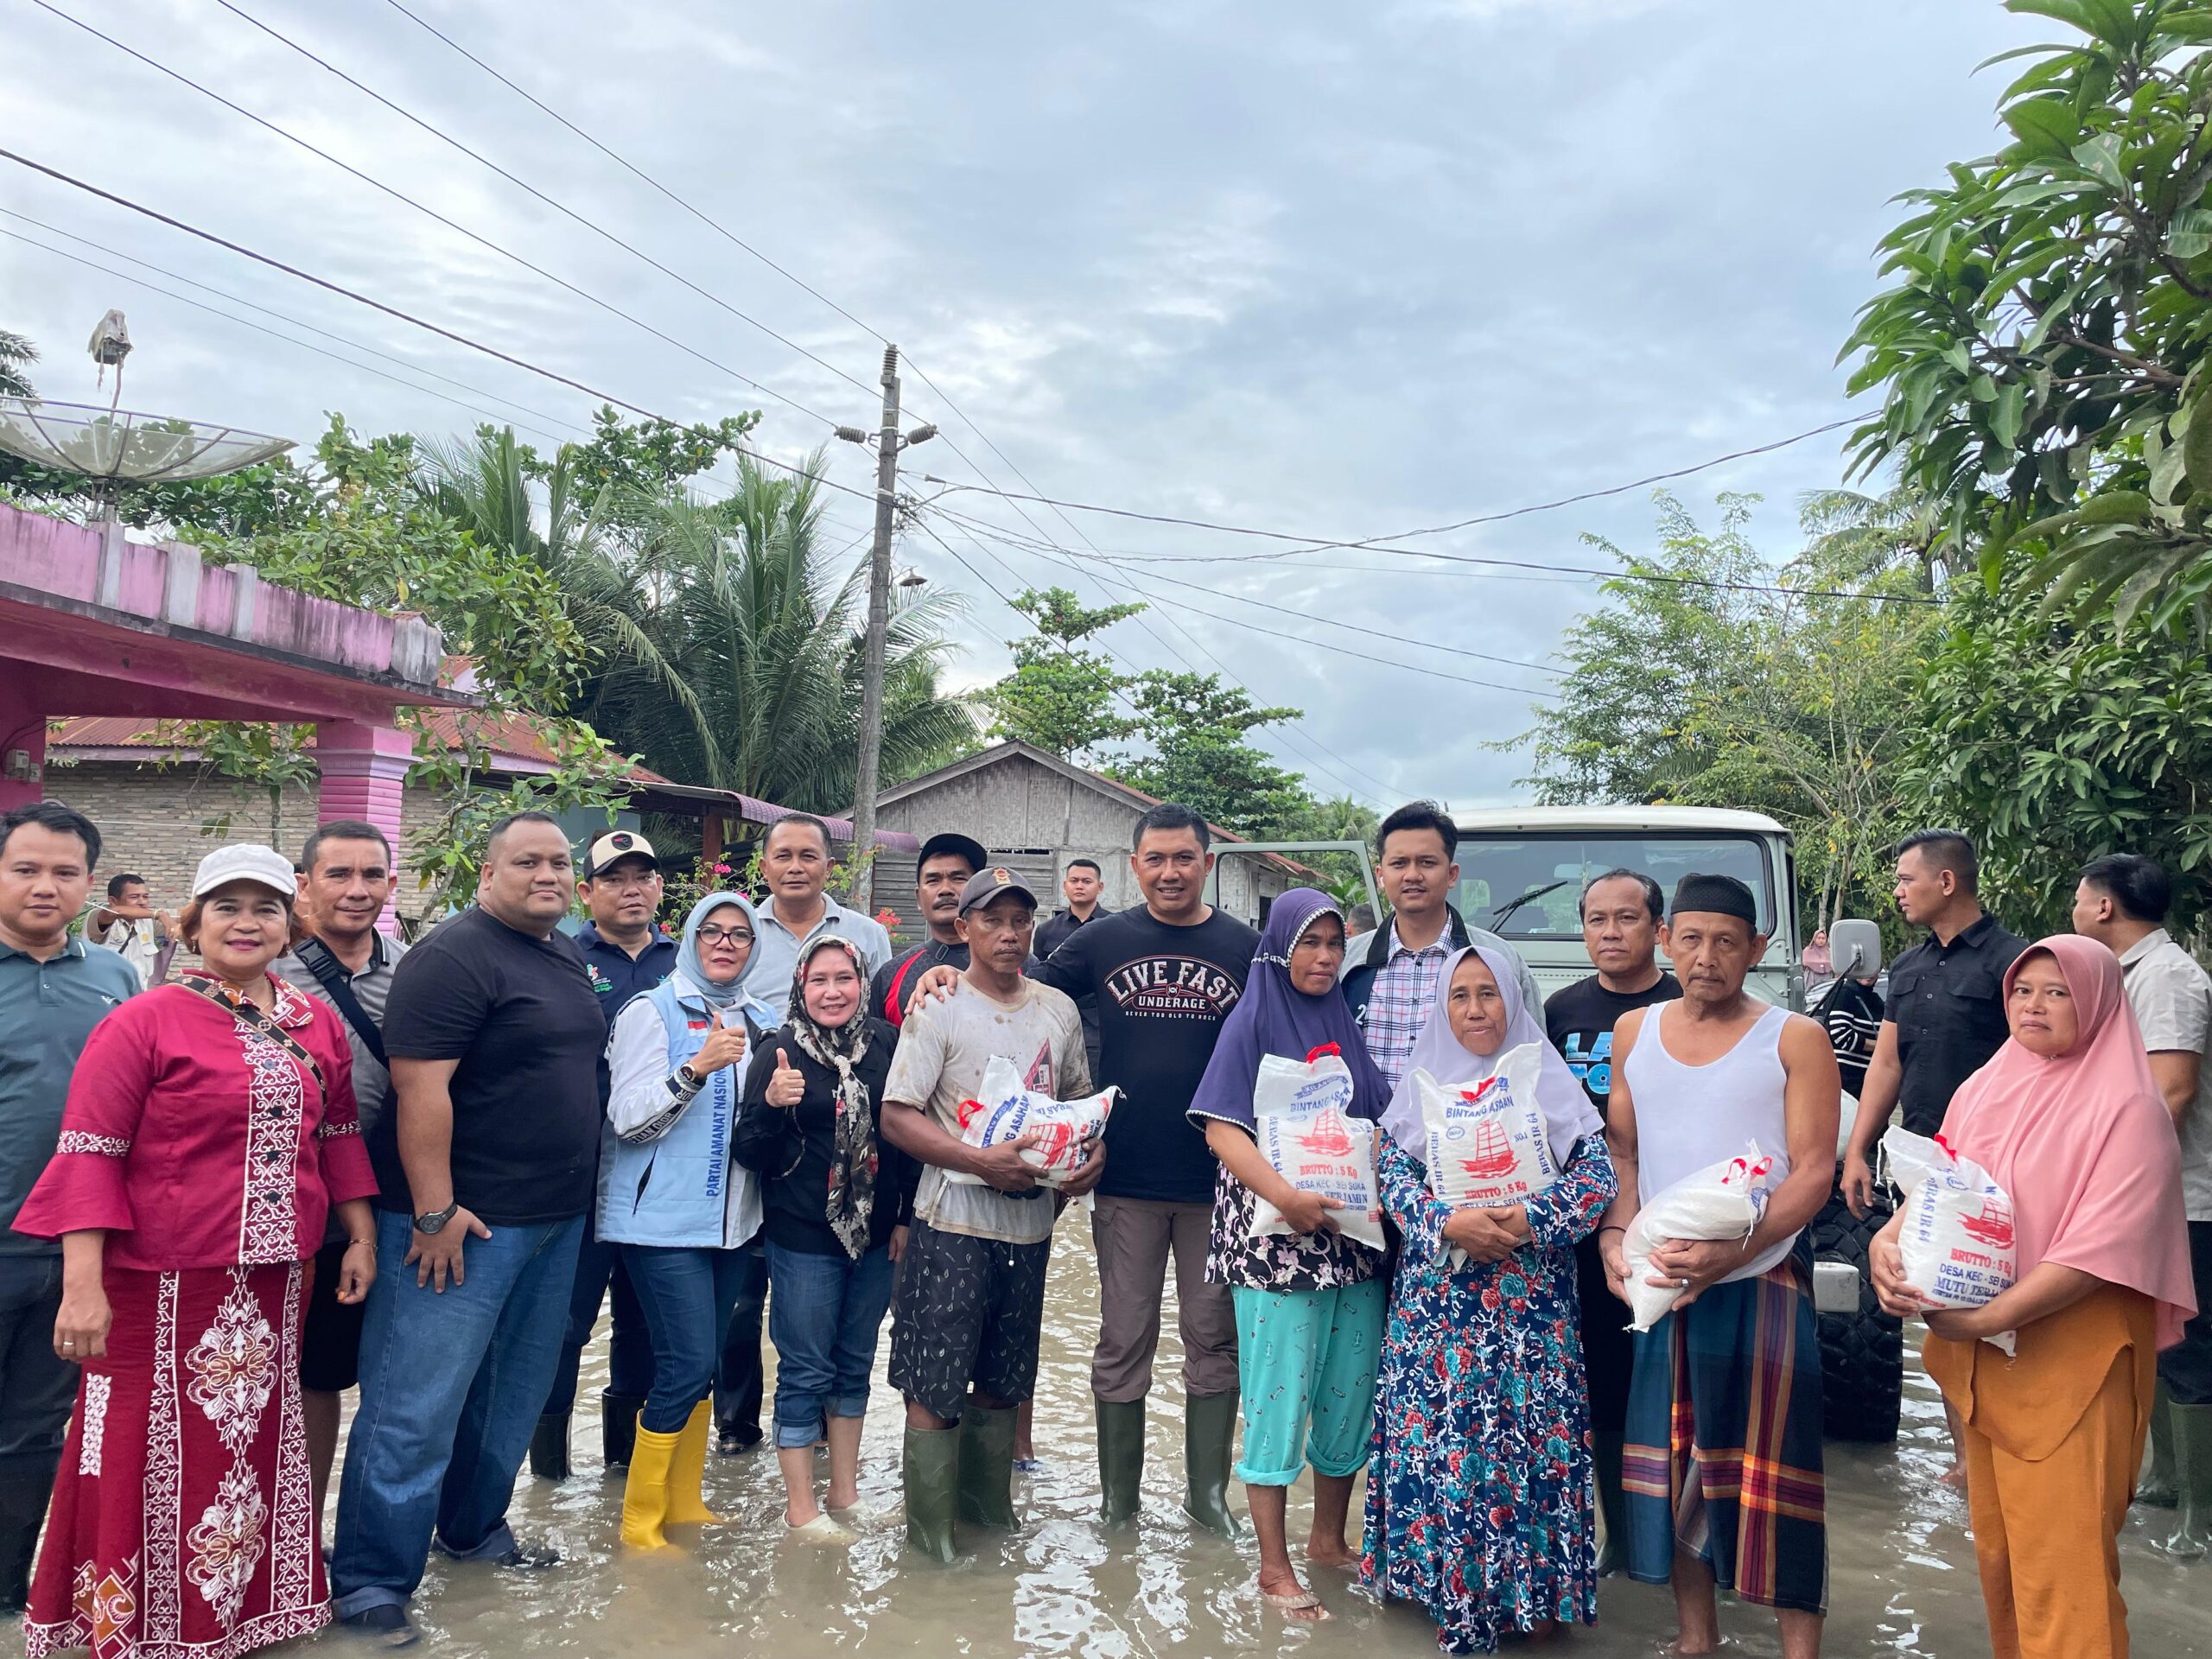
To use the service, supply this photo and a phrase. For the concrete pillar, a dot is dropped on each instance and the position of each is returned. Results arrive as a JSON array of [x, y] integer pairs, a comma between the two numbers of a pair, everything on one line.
[[22, 732], [363, 769]]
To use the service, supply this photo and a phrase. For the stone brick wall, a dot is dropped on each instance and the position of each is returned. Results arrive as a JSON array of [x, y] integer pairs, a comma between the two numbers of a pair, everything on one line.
[[151, 820]]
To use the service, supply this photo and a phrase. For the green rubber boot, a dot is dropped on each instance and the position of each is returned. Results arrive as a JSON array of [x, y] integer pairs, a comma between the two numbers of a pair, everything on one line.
[[2160, 1489], [1612, 1503], [931, 1471], [1121, 1460], [986, 1467], [1209, 1439], [2191, 1536]]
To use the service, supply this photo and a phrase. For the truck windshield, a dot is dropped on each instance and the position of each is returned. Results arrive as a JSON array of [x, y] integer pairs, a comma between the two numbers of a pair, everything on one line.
[[1529, 886]]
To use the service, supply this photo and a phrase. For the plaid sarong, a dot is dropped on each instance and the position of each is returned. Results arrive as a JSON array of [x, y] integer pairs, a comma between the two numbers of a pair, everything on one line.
[[1723, 1440]]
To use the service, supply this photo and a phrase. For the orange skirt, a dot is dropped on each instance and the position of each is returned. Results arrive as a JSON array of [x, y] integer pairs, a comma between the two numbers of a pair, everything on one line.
[[2053, 1440]]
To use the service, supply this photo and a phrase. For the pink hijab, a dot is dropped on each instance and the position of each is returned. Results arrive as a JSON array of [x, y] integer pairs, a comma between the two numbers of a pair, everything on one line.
[[2083, 1143]]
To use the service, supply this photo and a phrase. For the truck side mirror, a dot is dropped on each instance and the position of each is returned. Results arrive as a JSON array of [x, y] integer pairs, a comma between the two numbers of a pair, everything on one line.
[[1855, 947]]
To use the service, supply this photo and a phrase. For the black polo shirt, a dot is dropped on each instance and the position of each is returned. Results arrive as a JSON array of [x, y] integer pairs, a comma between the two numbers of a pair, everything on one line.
[[617, 975], [1947, 1003]]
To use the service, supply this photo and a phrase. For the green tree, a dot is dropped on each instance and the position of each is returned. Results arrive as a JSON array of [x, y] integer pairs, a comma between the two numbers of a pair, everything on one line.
[[2040, 353], [1776, 697], [1061, 696], [1197, 728], [2056, 742], [1639, 669], [754, 618], [1856, 537], [16, 355]]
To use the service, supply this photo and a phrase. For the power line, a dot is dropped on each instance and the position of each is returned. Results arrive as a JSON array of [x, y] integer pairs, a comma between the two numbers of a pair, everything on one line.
[[561, 207], [1284, 610], [431, 213], [236, 299], [389, 310], [259, 328], [713, 225], [842, 311]]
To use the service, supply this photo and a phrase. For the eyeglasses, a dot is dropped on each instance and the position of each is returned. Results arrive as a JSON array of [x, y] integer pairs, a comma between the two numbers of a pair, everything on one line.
[[724, 935]]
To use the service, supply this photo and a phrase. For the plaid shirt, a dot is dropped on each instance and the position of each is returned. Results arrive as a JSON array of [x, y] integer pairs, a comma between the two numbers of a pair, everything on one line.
[[1404, 991]]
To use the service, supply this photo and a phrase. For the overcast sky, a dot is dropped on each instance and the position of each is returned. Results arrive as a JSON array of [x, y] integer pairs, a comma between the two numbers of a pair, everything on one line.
[[1337, 271]]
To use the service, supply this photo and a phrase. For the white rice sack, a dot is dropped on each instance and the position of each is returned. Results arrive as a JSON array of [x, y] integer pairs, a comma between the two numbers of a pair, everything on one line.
[[1007, 1110], [1957, 1236], [1302, 1120], [1488, 1143], [1724, 1200]]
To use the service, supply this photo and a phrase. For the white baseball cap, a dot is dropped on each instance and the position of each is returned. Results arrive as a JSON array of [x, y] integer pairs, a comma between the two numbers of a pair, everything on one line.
[[613, 847], [263, 866]]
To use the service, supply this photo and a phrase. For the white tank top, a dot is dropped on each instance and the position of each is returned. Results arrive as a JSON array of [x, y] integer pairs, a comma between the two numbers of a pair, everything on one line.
[[1689, 1117]]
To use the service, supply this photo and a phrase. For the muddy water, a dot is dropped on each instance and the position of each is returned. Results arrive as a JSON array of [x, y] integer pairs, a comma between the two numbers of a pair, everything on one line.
[[1902, 1566]]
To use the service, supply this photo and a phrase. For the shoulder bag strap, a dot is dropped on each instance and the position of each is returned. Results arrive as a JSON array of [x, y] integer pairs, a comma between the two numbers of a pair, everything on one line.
[[250, 1015], [331, 975]]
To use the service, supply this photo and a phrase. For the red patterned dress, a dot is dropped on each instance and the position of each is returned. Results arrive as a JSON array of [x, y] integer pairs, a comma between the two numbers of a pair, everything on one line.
[[209, 1142]]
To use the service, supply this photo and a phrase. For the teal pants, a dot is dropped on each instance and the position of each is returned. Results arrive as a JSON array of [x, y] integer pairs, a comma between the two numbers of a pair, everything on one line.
[[1305, 1365]]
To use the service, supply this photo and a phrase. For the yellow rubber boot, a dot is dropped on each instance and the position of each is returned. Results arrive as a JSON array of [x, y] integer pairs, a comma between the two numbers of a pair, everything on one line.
[[645, 1495], [687, 1475]]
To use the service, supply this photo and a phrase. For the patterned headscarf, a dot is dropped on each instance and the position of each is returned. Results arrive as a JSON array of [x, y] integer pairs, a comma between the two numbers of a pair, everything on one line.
[[851, 1197]]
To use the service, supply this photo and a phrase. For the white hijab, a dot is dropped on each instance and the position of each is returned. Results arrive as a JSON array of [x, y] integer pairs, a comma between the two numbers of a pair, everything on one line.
[[1567, 1111]]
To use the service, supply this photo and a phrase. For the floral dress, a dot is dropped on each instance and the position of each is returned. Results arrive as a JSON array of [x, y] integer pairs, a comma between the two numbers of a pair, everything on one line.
[[1480, 1504]]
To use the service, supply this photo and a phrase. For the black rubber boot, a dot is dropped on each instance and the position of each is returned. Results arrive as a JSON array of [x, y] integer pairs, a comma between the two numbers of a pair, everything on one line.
[[618, 1426], [987, 1468], [931, 1472], [1612, 1503], [1209, 1440], [1121, 1460], [548, 1448], [23, 1498], [2161, 1487]]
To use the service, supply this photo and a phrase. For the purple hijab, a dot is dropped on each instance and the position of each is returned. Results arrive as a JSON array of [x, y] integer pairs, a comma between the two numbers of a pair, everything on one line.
[[1273, 1018]]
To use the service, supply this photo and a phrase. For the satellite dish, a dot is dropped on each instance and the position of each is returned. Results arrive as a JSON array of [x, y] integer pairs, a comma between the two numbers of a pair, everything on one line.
[[117, 445], [123, 444]]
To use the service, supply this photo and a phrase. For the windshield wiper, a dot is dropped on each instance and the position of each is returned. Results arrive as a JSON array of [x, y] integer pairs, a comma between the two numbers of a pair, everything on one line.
[[1530, 896]]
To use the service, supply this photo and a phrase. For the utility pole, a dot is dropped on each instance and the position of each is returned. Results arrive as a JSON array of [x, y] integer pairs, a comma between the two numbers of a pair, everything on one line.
[[889, 443]]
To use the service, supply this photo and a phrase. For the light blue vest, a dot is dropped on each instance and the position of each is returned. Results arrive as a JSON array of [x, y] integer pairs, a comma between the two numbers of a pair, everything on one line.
[[673, 1192]]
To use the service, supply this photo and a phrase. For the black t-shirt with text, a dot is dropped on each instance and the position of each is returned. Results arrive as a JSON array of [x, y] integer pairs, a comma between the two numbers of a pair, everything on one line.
[[1162, 994], [1579, 1020], [519, 1015]]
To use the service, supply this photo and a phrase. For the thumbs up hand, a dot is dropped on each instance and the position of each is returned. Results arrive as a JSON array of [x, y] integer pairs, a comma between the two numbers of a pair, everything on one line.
[[785, 1085], [725, 1046]]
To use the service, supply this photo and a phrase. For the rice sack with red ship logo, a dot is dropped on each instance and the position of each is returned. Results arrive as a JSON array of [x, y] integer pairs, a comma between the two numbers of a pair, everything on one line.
[[1957, 1236], [1007, 1111], [1724, 1200], [1487, 1142], [1302, 1120]]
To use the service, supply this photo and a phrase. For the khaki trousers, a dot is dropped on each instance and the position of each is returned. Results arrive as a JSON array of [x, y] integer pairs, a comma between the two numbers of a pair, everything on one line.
[[1134, 1238]]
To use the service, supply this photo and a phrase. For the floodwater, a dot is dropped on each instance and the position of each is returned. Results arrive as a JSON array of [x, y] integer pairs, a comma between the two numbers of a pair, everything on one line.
[[1902, 1574]]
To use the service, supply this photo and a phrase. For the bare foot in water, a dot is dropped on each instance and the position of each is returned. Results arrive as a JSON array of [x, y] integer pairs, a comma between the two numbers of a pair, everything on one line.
[[1291, 1599], [1955, 1477], [1331, 1552]]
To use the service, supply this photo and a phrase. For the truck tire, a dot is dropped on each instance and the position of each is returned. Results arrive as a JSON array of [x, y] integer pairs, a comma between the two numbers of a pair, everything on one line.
[[1862, 1354]]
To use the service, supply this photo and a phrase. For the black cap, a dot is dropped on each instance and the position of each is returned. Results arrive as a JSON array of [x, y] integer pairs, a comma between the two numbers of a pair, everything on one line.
[[960, 846], [1716, 895], [987, 885]]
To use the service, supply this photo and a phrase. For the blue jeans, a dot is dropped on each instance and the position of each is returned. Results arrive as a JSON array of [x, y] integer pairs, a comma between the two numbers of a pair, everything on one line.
[[824, 1313], [687, 1295], [451, 1384], [629, 1351]]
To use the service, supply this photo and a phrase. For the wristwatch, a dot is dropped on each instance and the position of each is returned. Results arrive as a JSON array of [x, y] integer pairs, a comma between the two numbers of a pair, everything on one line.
[[433, 1221]]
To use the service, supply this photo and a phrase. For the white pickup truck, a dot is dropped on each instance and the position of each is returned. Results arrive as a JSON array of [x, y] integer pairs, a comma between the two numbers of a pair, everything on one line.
[[1521, 872]]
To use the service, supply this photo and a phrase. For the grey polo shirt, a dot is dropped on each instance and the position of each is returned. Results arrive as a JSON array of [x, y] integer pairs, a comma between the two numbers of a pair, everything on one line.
[[371, 988], [775, 951], [2172, 1000], [47, 1011]]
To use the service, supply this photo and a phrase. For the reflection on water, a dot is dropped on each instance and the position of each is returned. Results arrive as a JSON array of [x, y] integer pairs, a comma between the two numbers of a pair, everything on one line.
[[1902, 1578]]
